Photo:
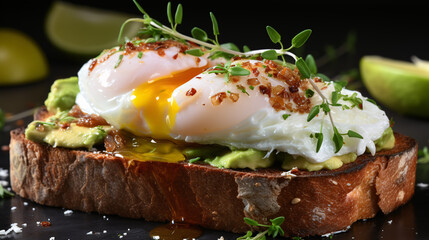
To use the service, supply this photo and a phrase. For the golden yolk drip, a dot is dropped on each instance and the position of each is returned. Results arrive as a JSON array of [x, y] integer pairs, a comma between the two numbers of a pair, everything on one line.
[[154, 100]]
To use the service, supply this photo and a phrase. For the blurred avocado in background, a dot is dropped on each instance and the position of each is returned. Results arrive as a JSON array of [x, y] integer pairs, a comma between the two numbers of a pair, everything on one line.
[[399, 85], [83, 31]]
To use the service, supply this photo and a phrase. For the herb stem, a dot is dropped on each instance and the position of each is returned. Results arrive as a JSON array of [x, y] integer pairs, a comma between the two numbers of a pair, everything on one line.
[[214, 47], [316, 88]]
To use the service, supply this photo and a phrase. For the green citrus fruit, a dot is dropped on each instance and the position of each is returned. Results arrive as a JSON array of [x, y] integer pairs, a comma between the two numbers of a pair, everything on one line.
[[399, 85], [21, 59], [82, 30]]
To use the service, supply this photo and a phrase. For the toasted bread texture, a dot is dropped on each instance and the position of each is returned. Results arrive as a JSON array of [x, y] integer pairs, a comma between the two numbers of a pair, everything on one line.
[[313, 203]]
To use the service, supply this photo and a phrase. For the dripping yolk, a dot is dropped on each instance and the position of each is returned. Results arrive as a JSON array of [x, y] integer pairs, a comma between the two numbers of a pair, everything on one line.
[[154, 101]]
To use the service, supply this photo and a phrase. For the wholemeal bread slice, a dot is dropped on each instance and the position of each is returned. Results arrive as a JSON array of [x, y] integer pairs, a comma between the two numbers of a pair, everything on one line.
[[313, 203]]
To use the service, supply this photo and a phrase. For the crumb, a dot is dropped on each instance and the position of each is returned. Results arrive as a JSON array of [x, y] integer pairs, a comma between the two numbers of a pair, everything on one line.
[[13, 228], [422, 185], [5, 148], [4, 183], [68, 212], [4, 173]]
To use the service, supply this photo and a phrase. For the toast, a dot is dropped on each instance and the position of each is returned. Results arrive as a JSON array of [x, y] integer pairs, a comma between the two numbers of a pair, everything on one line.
[[313, 203]]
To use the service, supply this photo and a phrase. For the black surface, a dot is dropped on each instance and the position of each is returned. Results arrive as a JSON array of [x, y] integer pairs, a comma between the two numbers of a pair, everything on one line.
[[396, 31]]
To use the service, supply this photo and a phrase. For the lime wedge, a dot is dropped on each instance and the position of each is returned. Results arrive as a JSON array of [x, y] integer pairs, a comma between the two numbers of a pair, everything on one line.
[[399, 85], [21, 59], [82, 30]]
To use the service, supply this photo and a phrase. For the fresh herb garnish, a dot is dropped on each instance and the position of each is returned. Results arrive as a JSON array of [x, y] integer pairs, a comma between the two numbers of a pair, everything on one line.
[[228, 70], [5, 193], [155, 31], [272, 230], [423, 155], [285, 116]]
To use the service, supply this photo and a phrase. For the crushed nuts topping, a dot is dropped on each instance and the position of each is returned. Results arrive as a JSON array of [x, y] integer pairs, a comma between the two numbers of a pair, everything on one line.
[[191, 92]]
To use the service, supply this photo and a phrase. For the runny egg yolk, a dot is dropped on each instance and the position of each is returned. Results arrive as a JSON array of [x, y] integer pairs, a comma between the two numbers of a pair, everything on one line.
[[154, 101]]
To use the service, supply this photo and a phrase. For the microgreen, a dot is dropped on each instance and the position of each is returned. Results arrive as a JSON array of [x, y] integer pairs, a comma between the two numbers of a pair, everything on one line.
[[423, 155], [272, 230], [285, 116], [215, 27], [5, 193], [229, 70], [177, 17], [319, 137], [338, 140]]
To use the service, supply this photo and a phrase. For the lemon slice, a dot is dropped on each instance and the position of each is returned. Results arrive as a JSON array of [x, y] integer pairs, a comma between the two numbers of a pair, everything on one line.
[[399, 85], [21, 59], [82, 30]]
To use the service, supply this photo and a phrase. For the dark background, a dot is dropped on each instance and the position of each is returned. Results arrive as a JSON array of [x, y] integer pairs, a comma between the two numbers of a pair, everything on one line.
[[396, 31], [391, 30]]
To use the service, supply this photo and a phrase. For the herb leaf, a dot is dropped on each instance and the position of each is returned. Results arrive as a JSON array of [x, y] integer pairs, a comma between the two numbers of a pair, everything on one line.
[[423, 155], [338, 140], [214, 24], [309, 93], [238, 71], [197, 52], [311, 63], [319, 137], [303, 68], [199, 34], [270, 55], [5, 193], [179, 14], [285, 116], [273, 34], [313, 112], [169, 15], [250, 221], [301, 38], [354, 134]]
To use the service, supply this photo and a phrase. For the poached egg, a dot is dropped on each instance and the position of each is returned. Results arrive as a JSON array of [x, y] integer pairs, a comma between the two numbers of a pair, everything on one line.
[[162, 92]]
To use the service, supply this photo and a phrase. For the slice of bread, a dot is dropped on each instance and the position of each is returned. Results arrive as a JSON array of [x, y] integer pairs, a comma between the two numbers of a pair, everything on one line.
[[313, 203]]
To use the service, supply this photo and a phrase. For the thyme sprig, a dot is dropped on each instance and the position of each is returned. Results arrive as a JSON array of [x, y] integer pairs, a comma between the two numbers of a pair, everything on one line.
[[272, 230], [307, 67], [228, 70], [158, 30], [5, 193]]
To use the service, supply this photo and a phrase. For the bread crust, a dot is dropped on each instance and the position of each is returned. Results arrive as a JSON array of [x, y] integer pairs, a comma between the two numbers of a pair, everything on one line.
[[313, 203]]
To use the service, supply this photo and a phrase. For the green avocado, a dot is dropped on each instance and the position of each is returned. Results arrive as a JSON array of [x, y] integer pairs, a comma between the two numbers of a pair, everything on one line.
[[301, 163], [249, 158], [73, 136], [386, 141], [63, 95]]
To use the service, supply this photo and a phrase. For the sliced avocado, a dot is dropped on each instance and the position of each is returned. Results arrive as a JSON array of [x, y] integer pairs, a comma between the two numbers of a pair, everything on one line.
[[335, 162], [62, 95], [386, 141], [72, 137], [248, 158]]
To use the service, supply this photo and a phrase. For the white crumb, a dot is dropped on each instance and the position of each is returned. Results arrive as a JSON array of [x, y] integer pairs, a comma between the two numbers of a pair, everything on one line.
[[13, 227], [4, 183], [4, 173], [422, 185], [68, 213]]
